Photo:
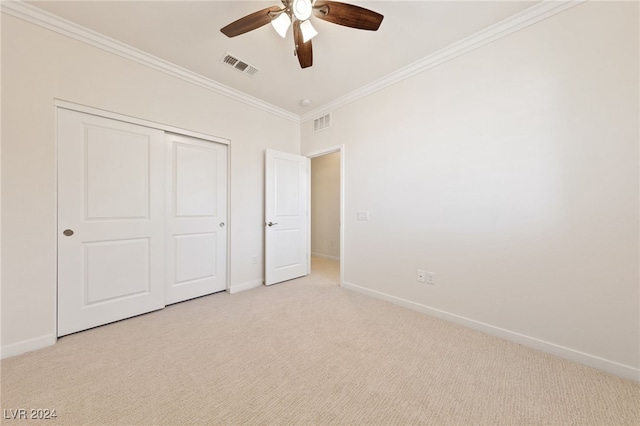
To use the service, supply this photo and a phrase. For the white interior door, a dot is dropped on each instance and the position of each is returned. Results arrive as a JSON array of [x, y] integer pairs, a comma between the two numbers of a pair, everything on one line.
[[286, 217], [196, 217], [110, 220]]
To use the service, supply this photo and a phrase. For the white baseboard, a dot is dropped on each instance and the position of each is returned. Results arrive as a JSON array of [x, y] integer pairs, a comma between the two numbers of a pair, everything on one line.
[[245, 286], [325, 256], [593, 361], [27, 346]]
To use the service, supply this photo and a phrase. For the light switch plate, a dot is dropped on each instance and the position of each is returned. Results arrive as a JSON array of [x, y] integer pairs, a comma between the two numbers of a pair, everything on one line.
[[362, 215]]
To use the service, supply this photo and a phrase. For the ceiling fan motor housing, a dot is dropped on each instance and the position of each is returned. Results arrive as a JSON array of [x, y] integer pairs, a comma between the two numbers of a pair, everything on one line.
[[302, 9]]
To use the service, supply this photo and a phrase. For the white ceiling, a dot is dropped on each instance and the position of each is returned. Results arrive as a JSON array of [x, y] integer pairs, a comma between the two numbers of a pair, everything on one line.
[[187, 33]]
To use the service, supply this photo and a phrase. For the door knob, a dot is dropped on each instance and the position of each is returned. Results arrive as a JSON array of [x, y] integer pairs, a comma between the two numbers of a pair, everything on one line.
[[221, 225], [271, 223], [67, 232]]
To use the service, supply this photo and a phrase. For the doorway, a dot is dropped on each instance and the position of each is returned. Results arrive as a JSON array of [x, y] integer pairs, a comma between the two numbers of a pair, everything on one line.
[[326, 189]]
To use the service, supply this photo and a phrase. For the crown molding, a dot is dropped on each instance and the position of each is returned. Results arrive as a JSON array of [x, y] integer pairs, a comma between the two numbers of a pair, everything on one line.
[[44, 19], [494, 32], [527, 17]]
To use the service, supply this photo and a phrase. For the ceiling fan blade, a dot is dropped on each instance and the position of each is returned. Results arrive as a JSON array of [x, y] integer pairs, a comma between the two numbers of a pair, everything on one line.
[[250, 22], [348, 15], [304, 51]]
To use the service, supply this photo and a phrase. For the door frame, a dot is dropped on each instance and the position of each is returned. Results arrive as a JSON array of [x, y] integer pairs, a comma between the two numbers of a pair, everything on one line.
[[62, 104], [320, 153]]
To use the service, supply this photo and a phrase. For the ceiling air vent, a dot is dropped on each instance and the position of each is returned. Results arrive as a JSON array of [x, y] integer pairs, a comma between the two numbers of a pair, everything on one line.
[[239, 65], [322, 123]]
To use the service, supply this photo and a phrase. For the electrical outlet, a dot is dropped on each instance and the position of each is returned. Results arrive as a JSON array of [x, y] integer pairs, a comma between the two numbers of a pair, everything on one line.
[[254, 260], [431, 278], [422, 276]]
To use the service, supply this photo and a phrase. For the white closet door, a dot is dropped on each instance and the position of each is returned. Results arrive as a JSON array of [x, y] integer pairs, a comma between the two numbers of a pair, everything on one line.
[[110, 220], [196, 217]]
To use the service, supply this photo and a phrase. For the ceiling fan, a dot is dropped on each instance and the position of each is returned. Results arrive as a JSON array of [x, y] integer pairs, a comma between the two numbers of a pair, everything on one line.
[[298, 12]]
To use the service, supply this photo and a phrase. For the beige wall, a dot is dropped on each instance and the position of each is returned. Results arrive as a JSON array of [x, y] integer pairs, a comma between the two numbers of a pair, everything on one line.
[[512, 173], [39, 66], [325, 206]]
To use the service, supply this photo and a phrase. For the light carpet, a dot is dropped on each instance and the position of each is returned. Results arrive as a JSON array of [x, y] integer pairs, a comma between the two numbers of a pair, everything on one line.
[[306, 352]]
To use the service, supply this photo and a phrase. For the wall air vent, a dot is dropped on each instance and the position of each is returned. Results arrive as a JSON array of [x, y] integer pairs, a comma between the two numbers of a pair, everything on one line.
[[239, 65], [322, 123]]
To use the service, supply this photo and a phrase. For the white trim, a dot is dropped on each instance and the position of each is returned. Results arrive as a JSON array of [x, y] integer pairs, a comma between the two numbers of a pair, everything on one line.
[[139, 121], [56, 235], [37, 16], [325, 256], [343, 225], [28, 345], [308, 164], [228, 285], [325, 151], [593, 361], [494, 32], [237, 288]]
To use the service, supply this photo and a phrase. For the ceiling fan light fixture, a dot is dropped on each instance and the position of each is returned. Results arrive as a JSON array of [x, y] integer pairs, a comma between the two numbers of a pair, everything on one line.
[[296, 13], [302, 9], [308, 32], [281, 24]]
